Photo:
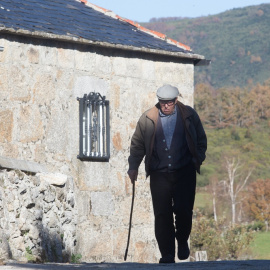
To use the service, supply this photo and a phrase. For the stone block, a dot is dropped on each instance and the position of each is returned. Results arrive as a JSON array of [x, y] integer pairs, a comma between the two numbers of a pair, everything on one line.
[[47, 207], [71, 200], [65, 82], [6, 126], [65, 58], [30, 125], [4, 83], [117, 182], [3, 52], [12, 217], [9, 194], [4, 246], [10, 150], [43, 186], [48, 56], [103, 64], [83, 204], [44, 88], [56, 179], [21, 76], [34, 232], [57, 133], [115, 96], [18, 53], [117, 141], [51, 220], [95, 176], [28, 200], [102, 203], [85, 61], [49, 196], [22, 189], [148, 70], [119, 66], [67, 217], [17, 244], [33, 55], [38, 214], [91, 248], [86, 84], [23, 165], [17, 205]]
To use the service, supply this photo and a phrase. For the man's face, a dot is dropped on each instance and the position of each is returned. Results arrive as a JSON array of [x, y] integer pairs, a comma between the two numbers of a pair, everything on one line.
[[167, 106]]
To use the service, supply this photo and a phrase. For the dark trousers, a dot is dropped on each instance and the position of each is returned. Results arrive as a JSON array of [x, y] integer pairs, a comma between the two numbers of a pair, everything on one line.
[[173, 194]]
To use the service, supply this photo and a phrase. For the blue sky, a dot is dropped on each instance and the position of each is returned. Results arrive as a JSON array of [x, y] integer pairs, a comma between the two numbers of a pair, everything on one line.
[[144, 10]]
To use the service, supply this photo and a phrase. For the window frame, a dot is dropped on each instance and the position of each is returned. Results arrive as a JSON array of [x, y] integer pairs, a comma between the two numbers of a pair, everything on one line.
[[94, 134]]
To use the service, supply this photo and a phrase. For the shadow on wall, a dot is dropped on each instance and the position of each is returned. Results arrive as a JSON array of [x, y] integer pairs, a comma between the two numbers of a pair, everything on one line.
[[51, 248], [37, 217]]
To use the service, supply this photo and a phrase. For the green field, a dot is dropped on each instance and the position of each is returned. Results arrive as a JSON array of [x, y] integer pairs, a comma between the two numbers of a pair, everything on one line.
[[259, 249], [260, 246], [203, 200]]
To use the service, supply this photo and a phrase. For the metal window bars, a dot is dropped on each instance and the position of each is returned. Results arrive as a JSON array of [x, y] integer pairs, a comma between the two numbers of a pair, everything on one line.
[[94, 127]]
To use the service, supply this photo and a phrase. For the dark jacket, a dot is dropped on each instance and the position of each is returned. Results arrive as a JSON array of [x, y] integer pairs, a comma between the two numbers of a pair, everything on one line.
[[143, 138]]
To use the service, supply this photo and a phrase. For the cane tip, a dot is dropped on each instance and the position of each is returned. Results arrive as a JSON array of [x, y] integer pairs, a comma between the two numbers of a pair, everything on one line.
[[125, 257]]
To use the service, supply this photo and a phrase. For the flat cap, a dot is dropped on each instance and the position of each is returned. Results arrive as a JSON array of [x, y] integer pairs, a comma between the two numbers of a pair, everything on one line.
[[167, 92]]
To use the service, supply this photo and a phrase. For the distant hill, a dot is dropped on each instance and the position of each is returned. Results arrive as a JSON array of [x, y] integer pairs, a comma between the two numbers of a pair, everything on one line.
[[237, 41]]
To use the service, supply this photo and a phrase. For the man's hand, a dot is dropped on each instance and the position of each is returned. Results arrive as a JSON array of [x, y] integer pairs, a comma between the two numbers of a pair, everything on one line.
[[132, 175]]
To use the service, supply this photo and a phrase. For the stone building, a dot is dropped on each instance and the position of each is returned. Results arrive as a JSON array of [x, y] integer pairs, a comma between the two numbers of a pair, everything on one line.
[[63, 186]]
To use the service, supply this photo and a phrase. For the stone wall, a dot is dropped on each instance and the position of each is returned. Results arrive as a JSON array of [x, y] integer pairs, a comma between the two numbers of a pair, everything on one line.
[[38, 217], [40, 81]]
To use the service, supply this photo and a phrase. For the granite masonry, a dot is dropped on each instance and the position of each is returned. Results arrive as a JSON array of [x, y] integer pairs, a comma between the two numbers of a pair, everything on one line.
[[38, 216], [88, 212]]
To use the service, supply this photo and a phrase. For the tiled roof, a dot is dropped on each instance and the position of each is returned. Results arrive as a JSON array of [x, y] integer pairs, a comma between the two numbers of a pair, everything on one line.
[[81, 21]]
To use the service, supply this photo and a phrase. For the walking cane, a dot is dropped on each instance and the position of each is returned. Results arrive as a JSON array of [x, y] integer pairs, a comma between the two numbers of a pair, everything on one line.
[[131, 211]]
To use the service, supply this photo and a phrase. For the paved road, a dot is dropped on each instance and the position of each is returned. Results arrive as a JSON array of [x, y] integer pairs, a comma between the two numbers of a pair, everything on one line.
[[222, 265]]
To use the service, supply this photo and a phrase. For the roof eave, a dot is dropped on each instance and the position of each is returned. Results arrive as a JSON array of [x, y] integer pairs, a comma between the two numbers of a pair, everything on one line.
[[66, 38]]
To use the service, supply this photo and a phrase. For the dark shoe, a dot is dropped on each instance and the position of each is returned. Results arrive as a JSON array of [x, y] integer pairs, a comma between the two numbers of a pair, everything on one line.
[[167, 259], [183, 251]]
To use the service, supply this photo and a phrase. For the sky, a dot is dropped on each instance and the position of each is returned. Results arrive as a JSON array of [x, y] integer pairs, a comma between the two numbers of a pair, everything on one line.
[[144, 10]]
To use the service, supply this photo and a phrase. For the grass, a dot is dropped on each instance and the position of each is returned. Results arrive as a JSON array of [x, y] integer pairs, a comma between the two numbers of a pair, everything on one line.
[[29, 256], [76, 258], [203, 200], [260, 246]]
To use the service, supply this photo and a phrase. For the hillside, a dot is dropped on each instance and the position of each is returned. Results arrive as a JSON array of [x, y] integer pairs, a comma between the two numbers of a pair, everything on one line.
[[237, 122], [237, 42]]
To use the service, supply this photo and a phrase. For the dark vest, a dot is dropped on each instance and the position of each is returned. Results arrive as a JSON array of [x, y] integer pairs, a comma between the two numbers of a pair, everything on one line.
[[170, 160]]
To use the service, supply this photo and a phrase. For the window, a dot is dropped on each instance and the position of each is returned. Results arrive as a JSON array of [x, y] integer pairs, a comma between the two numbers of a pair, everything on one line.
[[94, 127]]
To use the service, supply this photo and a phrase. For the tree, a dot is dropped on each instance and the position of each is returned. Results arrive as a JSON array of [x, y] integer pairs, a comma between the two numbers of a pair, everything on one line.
[[235, 183], [260, 95], [204, 102], [215, 188], [258, 201]]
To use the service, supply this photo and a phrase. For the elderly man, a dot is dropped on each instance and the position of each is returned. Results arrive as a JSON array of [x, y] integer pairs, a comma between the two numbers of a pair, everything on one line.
[[173, 141]]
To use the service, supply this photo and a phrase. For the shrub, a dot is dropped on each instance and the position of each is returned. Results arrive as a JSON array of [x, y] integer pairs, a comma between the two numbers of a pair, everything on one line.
[[220, 241], [76, 258]]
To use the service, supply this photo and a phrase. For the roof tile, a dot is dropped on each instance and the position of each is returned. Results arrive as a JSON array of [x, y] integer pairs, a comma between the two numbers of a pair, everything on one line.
[[81, 19]]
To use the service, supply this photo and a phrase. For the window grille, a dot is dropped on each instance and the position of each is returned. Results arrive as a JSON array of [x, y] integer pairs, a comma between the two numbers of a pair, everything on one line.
[[94, 127]]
